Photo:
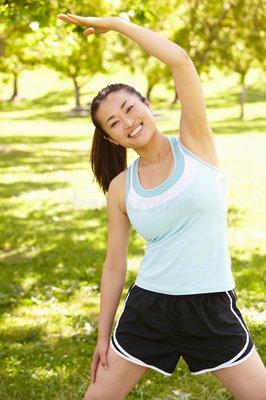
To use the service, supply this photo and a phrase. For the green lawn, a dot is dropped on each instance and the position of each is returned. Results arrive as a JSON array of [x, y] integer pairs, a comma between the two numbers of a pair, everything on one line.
[[53, 236]]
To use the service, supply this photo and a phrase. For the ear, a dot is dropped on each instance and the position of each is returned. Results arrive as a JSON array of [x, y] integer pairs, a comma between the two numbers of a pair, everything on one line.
[[110, 140], [147, 103]]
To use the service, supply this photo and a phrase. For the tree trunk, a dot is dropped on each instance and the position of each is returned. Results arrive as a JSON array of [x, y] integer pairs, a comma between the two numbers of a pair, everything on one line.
[[243, 94], [242, 99], [77, 95], [14, 96], [148, 94]]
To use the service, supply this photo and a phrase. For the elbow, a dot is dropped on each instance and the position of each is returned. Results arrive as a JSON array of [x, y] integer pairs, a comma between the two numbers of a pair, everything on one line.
[[180, 58]]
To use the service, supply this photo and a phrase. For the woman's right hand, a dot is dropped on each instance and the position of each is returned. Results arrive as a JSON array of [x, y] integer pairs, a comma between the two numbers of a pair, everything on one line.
[[95, 24], [99, 356]]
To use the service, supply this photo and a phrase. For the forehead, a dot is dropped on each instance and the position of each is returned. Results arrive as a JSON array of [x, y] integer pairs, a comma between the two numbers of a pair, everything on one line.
[[112, 103]]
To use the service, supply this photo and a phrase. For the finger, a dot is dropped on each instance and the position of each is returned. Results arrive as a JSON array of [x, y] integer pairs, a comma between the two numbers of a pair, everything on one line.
[[104, 363], [68, 19], [93, 372], [85, 20], [94, 365], [89, 31], [63, 16], [93, 375], [78, 18]]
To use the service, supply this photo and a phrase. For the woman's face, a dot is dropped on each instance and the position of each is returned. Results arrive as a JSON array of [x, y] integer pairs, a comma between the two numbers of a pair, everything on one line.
[[119, 122]]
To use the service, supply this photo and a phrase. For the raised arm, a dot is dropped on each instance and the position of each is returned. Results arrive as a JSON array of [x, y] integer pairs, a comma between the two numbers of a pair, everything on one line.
[[165, 50], [195, 130]]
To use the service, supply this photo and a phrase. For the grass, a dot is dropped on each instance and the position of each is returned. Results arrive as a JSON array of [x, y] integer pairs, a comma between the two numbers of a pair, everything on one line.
[[53, 236]]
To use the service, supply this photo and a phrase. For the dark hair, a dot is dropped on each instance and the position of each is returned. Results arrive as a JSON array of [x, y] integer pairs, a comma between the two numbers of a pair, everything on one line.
[[107, 159]]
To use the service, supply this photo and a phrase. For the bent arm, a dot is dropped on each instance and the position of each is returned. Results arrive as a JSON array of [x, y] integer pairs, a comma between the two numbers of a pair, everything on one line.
[[112, 283], [165, 50], [195, 129]]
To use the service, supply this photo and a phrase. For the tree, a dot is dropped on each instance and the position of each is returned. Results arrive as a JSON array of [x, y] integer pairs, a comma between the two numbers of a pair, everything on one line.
[[126, 52], [73, 55], [228, 34], [17, 35], [33, 35], [16, 55], [246, 46]]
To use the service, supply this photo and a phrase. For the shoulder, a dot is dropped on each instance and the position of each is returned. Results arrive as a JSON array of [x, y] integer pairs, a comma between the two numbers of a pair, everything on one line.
[[116, 191]]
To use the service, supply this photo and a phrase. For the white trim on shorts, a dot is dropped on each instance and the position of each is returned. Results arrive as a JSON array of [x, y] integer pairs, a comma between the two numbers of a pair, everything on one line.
[[128, 356], [231, 363]]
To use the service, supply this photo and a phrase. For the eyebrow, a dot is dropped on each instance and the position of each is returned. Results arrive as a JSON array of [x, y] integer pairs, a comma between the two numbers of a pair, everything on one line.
[[113, 116]]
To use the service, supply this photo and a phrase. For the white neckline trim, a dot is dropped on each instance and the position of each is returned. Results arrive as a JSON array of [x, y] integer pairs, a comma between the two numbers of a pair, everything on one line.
[[162, 196]]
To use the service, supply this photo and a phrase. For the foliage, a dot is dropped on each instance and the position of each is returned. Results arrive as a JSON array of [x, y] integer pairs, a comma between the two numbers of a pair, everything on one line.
[[227, 34]]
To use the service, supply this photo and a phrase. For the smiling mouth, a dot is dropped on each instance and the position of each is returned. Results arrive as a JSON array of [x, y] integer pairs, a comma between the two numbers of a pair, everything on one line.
[[136, 131]]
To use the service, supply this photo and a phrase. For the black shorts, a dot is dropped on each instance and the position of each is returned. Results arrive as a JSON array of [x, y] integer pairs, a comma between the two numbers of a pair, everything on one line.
[[206, 329]]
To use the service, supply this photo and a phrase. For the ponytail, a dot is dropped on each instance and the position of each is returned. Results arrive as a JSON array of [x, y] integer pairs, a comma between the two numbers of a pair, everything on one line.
[[107, 159]]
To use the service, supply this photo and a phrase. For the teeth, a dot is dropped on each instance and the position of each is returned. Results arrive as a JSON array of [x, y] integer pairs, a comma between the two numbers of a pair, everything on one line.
[[136, 131]]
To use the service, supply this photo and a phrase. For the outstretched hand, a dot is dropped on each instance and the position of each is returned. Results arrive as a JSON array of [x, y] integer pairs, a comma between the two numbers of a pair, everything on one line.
[[95, 24]]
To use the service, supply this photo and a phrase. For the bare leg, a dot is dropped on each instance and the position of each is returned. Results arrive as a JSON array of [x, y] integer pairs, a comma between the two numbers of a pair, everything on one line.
[[117, 381], [247, 380]]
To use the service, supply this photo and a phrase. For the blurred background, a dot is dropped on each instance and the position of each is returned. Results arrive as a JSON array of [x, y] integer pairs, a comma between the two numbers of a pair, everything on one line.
[[53, 216]]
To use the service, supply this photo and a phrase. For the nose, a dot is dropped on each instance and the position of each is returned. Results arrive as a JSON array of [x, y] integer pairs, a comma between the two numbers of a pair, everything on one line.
[[128, 123]]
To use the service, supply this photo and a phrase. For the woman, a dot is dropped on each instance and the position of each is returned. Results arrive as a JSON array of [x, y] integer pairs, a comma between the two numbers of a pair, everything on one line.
[[183, 301]]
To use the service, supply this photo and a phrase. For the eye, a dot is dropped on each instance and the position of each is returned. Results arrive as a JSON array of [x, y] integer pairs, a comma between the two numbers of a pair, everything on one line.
[[114, 123], [129, 108]]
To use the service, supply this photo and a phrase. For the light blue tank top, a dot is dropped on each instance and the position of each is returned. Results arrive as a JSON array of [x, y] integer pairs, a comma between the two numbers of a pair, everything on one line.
[[184, 223]]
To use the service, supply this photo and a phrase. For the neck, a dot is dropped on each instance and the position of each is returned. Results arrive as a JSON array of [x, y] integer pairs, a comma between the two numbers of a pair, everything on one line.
[[155, 150]]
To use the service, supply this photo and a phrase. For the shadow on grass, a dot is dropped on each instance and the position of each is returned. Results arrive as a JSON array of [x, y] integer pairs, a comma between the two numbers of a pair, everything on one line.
[[8, 190], [39, 162], [234, 126], [50, 99], [250, 276], [64, 249], [224, 99], [230, 98], [45, 103], [55, 115], [19, 139], [54, 368]]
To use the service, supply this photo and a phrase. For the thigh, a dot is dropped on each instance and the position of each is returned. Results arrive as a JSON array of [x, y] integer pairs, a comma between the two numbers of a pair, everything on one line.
[[246, 380], [117, 381]]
